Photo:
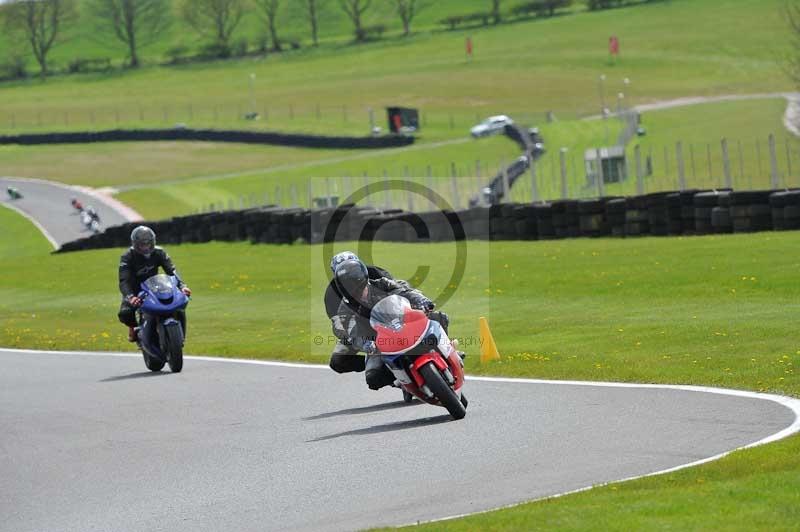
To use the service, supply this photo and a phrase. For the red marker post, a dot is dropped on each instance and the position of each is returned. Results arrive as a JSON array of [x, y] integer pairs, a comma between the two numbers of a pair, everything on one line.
[[613, 46], [469, 47]]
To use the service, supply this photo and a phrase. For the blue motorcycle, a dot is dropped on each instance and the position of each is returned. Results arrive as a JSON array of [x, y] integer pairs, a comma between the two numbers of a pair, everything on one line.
[[162, 323]]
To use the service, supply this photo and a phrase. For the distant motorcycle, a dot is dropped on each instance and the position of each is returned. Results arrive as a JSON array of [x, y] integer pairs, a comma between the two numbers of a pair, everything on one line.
[[13, 193], [420, 355], [162, 328], [90, 223]]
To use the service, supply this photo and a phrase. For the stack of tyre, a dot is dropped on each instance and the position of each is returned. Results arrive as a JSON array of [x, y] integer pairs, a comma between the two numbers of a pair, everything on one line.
[[544, 221], [680, 212], [566, 220], [615, 214], [704, 205], [657, 215], [637, 221], [785, 208], [751, 211], [476, 223], [592, 217], [525, 222]]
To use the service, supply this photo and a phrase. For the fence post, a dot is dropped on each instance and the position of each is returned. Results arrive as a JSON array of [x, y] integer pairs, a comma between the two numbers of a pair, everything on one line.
[[478, 167], [456, 199], [637, 154], [453, 171], [681, 174], [534, 185], [278, 195], [387, 198], [691, 160], [788, 161], [726, 164], [758, 156], [598, 176], [710, 173], [506, 187], [741, 162], [328, 200], [773, 163], [562, 154], [293, 192]]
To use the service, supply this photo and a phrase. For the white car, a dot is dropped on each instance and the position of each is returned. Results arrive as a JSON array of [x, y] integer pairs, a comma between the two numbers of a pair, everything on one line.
[[490, 126]]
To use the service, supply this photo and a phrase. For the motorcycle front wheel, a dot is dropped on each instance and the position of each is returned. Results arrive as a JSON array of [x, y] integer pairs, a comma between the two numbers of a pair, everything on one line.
[[151, 363], [174, 345], [442, 391]]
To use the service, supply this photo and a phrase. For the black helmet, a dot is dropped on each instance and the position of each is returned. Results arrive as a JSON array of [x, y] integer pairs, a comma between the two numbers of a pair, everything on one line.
[[351, 279], [143, 240]]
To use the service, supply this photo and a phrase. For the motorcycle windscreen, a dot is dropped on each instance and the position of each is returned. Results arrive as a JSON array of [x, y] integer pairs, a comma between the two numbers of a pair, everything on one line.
[[160, 285], [389, 312], [399, 327]]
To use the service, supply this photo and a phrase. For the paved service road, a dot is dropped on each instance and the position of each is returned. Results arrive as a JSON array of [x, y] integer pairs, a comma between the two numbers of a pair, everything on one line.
[[95, 442], [49, 204]]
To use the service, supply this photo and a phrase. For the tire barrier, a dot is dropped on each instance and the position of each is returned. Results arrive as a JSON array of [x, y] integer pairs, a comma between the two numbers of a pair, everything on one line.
[[210, 135], [657, 214]]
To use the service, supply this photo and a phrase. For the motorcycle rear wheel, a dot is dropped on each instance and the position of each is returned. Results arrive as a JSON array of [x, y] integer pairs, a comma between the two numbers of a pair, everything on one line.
[[174, 345], [442, 391]]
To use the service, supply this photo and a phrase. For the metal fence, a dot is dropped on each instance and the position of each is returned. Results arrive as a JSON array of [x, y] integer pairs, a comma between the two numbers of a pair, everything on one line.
[[769, 163], [244, 114]]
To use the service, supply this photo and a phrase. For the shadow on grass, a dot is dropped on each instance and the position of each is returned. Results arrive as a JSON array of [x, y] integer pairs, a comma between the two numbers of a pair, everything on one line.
[[139, 375], [387, 427], [360, 410]]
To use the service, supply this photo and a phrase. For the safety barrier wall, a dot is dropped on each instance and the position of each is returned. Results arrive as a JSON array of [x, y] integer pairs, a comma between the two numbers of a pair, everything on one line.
[[694, 212], [210, 135]]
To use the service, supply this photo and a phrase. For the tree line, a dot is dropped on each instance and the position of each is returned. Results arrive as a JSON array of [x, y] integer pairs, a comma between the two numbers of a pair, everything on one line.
[[41, 24]]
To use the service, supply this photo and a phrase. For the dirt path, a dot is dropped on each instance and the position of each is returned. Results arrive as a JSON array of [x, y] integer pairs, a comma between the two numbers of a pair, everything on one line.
[[791, 118]]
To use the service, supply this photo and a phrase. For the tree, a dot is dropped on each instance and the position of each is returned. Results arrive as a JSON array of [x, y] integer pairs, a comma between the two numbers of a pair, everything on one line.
[[41, 22], [495, 12], [355, 9], [312, 9], [135, 23], [408, 9], [270, 10], [215, 18]]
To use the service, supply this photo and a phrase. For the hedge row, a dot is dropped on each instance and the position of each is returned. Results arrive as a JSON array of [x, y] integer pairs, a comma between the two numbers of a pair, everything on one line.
[[693, 212], [212, 135]]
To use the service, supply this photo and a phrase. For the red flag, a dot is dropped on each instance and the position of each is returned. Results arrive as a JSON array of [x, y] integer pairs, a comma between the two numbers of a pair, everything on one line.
[[613, 45], [469, 46]]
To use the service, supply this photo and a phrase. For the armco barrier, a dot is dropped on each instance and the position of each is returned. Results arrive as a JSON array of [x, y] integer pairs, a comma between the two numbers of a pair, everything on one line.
[[659, 214], [210, 135]]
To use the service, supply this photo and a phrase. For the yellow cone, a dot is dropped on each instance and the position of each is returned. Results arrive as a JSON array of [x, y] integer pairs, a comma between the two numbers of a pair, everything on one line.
[[488, 347]]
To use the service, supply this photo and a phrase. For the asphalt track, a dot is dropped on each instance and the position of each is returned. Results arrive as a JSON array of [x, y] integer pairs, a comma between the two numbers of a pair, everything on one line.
[[47, 204], [96, 442]]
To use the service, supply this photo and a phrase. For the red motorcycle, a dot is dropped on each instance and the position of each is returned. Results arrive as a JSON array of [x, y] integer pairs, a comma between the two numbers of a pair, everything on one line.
[[420, 355]]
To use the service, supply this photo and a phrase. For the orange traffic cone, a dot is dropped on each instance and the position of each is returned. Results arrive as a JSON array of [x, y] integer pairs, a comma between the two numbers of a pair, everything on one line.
[[488, 347]]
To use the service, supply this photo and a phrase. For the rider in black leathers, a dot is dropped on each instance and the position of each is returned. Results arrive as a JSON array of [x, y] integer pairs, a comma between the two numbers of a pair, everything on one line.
[[351, 321], [140, 262]]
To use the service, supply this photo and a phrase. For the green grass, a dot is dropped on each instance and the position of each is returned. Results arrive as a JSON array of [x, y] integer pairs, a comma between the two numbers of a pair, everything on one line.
[[675, 310], [667, 51]]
